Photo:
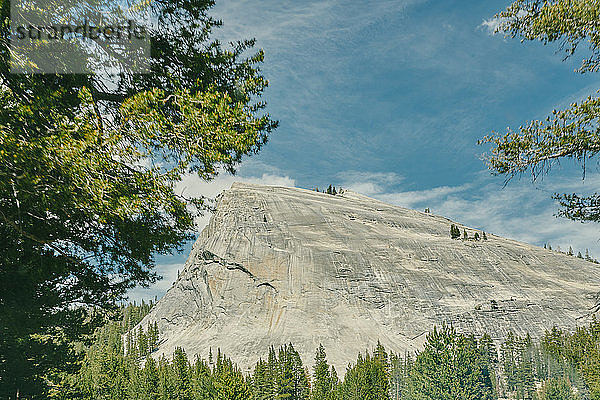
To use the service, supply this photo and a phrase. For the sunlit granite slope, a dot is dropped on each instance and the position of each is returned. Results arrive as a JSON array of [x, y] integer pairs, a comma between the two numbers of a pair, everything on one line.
[[278, 265]]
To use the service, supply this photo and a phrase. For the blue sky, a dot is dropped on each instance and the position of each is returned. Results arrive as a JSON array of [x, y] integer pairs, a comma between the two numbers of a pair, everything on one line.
[[389, 98]]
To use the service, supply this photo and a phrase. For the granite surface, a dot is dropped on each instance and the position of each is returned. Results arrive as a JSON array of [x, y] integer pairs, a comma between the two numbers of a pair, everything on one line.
[[278, 265]]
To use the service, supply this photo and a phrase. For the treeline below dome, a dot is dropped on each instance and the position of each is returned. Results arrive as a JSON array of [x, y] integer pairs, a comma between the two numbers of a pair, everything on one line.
[[452, 365]]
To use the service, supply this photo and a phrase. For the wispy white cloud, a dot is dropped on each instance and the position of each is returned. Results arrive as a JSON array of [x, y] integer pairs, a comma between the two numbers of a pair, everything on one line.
[[491, 25], [494, 25], [412, 199], [521, 210], [368, 183], [282, 19]]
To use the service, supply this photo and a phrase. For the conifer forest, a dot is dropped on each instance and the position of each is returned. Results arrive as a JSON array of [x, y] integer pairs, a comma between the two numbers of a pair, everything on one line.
[[117, 364]]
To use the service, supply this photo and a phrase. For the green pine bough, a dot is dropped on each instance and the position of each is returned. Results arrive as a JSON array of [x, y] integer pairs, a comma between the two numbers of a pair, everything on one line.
[[572, 133], [89, 168]]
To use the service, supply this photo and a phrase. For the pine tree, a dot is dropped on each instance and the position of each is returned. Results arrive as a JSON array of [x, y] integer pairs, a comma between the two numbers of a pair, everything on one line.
[[166, 380], [321, 389], [465, 236], [261, 384], [379, 371], [557, 389], [335, 385], [150, 380], [142, 343], [134, 379], [525, 375], [182, 375], [489, 356], [451, 366], [400, 376], [476, 236], [229, 381], [272, 373], [153, 336], [570, 252], [285, 374], [203, 385], [454, 232], [300, 383], [356, 382], [369, 378]]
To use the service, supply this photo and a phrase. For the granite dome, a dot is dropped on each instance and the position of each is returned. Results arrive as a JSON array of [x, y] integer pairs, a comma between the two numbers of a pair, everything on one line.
[[278, 265]]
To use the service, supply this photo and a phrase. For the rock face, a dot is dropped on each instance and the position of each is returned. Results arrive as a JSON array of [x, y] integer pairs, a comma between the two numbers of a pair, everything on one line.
[[278, 265]]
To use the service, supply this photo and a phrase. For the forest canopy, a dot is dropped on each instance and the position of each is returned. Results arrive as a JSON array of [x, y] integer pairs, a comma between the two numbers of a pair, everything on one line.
[[452, 365], [88, 171]]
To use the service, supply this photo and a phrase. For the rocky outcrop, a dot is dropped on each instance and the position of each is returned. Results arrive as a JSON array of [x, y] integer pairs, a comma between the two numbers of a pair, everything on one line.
[[278, 265]]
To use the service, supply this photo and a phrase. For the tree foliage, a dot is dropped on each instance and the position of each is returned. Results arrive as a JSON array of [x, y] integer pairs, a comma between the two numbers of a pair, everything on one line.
[[572, 133], [451, 366], [557, 389], [88, 172], [565, 22], [322, 388], [561, 365], [281, 377], [369, 378], [454, 231]]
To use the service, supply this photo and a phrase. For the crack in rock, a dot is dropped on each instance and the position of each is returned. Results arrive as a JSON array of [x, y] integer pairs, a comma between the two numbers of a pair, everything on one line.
[[267, 284], [208, 256]]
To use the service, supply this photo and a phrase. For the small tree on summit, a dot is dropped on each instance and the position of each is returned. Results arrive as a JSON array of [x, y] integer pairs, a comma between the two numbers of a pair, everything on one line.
[[454, 232], [476, 236], [331, 190], [465, 236], [484, 236]]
